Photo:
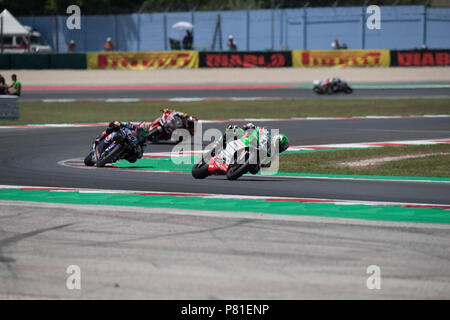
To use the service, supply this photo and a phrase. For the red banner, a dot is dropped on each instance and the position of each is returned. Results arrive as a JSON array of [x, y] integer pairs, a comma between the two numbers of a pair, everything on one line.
[[245, 59], [420, 58]]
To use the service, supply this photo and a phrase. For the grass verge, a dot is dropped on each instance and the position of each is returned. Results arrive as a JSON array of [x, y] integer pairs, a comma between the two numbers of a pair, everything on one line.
[[326, 162], [88, 112]]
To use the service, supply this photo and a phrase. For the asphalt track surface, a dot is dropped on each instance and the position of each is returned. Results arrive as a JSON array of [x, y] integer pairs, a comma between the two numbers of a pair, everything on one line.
[[33, 153], [132, 253], [287, 93]]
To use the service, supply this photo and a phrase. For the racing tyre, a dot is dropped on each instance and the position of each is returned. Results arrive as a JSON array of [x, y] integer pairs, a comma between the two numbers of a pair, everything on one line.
[[348, 90], [153, 134], [200, 170], [109, 157], [253, 169], [236, 171], [88, 161], [317, 90]]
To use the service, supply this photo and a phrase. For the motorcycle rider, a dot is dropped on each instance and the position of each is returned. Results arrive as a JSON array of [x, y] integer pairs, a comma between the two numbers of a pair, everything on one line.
[[331, 82], [235, 132], [182, 120], [140, 132]]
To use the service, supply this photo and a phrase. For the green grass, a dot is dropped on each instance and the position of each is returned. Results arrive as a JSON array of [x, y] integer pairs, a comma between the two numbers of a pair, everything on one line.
[[325, 162], [86, 112]]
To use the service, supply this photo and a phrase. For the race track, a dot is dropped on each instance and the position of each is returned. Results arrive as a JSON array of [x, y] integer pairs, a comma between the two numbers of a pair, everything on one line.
[[287, 93], [147, 253], [33, 154]]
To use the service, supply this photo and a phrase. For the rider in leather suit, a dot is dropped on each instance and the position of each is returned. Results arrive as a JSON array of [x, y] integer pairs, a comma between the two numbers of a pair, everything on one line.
[[140, 132], [234, 132]]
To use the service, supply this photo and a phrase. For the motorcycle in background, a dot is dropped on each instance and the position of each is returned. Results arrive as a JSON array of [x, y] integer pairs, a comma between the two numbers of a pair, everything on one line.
[[322, 87], [163, 127]]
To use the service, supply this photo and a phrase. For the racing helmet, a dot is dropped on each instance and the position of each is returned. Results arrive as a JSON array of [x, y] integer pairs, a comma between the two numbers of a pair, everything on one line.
[[248, 126], [282, 141], [141, 134], [191, 122]]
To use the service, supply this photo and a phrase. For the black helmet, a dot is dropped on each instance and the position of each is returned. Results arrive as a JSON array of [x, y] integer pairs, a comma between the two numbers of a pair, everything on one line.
[[191, 122]]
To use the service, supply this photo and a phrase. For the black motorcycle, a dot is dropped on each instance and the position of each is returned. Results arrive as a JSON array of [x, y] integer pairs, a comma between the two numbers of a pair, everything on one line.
[[118, 145], [320, 87]]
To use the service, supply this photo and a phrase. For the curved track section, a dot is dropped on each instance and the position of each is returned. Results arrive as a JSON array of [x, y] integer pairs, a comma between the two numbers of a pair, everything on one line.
[[33, 156]]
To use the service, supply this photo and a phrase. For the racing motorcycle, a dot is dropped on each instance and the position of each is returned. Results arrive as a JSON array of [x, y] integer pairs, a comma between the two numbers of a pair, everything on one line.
[[118, 145], [163, 127], [322, 87], [239, 157]]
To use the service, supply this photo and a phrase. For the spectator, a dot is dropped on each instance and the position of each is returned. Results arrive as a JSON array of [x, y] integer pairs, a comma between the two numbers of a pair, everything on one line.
[[16, 86], [335, 44], [109, 46], [3, 86], [72, 46], [188, 40], [231, 43]]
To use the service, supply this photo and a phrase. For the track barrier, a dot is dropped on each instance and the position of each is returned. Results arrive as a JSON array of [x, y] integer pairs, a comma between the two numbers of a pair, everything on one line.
[[225, 59]]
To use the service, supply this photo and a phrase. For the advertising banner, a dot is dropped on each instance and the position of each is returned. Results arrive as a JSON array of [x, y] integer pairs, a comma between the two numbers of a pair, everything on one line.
[[341, 58], [245, 59], [142, 60], [418, 58]]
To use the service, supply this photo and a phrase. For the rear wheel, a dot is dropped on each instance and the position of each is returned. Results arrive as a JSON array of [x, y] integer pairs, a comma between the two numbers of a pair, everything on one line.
[[153, 134], [253, 169], [237, 170], [109, 157], [200, 170]]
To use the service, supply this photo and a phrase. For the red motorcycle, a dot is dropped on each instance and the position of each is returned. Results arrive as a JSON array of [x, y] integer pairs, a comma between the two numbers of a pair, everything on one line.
[[164, 126]]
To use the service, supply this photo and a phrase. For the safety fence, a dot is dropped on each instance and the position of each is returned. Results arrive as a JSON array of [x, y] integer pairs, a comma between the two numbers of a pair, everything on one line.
[[43, 61], [308, 28], [228, 59]]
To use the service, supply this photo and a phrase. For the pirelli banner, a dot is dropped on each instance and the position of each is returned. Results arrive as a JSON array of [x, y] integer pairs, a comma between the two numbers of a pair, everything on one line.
[[341, 58], [245, 59], [420, 58], [142, 60]]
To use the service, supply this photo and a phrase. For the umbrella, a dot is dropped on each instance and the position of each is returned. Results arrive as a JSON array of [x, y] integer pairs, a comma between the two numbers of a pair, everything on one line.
[[183, 25]]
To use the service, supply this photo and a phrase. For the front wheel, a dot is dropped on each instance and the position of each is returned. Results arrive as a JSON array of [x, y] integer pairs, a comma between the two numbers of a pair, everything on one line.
[[88, 161], [113, 154], [318, 90], [237, 170], [200, 170], [348, 90]]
